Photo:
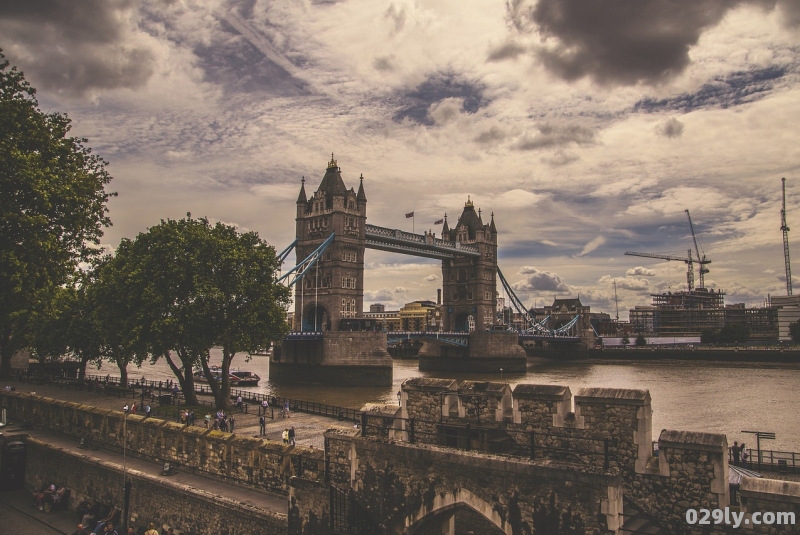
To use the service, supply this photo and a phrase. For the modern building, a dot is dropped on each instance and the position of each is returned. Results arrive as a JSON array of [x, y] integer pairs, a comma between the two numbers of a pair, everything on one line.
[[788, 311]]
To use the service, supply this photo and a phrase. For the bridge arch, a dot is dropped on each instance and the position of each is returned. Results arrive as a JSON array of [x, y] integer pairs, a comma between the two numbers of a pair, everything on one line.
[[316, 318], [453, 500]]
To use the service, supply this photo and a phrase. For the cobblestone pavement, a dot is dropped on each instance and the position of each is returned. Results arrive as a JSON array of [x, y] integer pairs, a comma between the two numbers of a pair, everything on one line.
[[309, 428]]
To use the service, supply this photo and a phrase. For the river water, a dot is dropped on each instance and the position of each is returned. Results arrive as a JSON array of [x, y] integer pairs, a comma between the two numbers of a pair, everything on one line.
[[714, 397]]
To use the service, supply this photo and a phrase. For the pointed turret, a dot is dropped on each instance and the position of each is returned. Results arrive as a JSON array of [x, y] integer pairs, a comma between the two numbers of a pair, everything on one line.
[[445, 229], [301, 199], [492, 228], [362, 197]]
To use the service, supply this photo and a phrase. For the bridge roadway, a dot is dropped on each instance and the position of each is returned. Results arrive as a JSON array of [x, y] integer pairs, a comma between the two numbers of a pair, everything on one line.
[[453, 338], [398, 241]]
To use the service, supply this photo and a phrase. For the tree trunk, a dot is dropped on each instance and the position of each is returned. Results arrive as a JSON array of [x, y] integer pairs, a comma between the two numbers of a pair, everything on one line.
[[185, 377], [220, 402], [122, 364], [225, 391]]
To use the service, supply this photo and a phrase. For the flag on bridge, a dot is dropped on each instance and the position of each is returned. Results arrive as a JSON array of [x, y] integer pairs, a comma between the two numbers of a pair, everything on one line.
[[439, 222], [410, 214]]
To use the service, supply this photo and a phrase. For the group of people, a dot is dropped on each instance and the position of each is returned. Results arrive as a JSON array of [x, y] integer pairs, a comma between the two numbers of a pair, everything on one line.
[[49, 495], [188, 417], [288, 436], [738, 454], [221, 422]]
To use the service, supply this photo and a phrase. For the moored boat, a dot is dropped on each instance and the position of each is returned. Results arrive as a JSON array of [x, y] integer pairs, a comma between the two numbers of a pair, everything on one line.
[[246, 378], [200, 377]]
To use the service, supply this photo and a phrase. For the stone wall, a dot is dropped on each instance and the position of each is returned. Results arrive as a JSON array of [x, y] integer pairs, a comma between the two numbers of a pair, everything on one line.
[[255, 462], [403, 486], [769, 495], [153, 499]]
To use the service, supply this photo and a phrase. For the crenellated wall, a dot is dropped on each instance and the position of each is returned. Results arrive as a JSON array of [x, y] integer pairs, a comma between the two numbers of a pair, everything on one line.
[[255, 462]]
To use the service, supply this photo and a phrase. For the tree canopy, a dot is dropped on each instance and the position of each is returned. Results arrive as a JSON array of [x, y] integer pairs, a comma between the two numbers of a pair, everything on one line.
[[53, 206], [194, 286]]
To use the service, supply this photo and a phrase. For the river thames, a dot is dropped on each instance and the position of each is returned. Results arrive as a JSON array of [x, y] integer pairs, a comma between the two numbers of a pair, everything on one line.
[[714, 397]]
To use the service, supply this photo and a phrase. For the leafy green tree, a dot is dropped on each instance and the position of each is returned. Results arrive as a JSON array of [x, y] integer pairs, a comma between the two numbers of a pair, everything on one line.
[[641, 341], [68, 327], [202, 286], [794, 331], [625, 339], [115, 299], [52, 211], [733, 332], [708, 336]]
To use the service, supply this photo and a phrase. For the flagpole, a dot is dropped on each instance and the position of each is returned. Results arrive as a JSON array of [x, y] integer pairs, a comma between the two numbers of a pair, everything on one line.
[[413, 228]]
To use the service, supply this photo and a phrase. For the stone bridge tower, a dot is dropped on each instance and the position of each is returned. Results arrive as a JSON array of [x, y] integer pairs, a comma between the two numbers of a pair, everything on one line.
[[469, 287], [334, 289]]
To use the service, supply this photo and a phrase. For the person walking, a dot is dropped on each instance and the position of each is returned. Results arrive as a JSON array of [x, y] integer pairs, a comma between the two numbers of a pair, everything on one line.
[[262, 422], [285, 436], [232, 422], [264, 406], [151, 529], [291, 436]]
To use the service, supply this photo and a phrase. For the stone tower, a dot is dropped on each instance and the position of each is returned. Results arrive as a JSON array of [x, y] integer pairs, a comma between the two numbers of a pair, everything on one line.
[[334, 288], [469, 299]]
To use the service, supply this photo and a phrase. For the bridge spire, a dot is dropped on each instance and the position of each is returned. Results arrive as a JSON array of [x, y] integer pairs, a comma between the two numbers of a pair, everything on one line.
[[445, 229], [492, 228], [361, 197], [302, 197]]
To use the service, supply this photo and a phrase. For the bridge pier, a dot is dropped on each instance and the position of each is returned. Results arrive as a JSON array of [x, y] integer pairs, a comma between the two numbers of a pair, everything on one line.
[[332, 358], [486, 352]]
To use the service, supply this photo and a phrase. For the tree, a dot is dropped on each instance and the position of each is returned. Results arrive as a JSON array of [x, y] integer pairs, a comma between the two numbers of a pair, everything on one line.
[[708, 336], [53, 207], [67, 326], [794, 331], [625, 339], [733, 333], [641, 341], [201, 286]]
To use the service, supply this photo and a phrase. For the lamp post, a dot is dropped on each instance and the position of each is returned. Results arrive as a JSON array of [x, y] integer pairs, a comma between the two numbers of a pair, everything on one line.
[[126, 488], [400, 398], [501, 374]]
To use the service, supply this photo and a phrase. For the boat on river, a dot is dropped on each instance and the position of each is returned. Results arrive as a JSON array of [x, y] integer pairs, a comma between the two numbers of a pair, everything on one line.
[[246, 378], [216, 371]]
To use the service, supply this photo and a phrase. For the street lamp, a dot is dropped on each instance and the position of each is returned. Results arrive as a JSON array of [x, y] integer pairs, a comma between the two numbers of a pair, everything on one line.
[[126, 488], [501, 374], [400, 398]]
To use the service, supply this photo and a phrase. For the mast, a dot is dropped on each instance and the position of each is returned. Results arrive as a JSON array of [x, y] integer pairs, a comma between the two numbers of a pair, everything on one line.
[[785, 230], [615, 299]]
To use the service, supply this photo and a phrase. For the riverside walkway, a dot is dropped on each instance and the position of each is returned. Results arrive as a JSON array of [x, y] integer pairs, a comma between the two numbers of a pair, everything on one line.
[[309, 430]]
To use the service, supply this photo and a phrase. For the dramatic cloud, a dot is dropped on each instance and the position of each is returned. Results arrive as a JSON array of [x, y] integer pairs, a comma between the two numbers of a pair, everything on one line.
[[509, 50], [433, 91], [670, 128], [615, 43], [592, 245], [550, 135], [626, 283], [723, 92], [75, 47], [432, 278], [640, 271], [535, 280]]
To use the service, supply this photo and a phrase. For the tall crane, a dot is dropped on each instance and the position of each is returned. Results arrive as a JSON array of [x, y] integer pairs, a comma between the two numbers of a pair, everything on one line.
[[700, 260], [688, 260], [785, 230]]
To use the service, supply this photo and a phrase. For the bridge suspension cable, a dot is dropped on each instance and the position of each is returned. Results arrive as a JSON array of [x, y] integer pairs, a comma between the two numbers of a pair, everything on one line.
[[307, 263], [532, 325], [283, 254]]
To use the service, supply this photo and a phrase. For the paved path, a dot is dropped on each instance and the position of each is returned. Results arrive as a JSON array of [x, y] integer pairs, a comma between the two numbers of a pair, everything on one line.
[[309, 431]]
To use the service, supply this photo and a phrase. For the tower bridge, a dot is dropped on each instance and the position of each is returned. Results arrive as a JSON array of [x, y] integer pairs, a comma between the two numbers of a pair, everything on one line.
[[332, 236]]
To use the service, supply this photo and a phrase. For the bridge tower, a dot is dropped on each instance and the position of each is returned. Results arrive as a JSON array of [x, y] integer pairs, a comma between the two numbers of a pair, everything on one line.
[[334, 288], [469, 288]]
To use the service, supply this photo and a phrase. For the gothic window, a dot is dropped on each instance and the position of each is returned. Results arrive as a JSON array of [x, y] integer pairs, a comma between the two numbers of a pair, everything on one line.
[[487, 295], [349, 283]]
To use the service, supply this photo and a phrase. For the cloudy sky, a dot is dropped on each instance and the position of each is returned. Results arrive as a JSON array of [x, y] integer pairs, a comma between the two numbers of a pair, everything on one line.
[[586, 127]]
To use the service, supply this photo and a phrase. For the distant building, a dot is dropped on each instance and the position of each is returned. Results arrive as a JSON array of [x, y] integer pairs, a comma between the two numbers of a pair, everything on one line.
[[788, 311], [385, 320], [689, 313], [419, 316]]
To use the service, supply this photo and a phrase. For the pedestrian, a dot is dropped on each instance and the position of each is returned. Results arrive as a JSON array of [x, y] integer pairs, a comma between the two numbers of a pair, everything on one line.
[[151, 529], [285, 436], [239, 402], [232, 423], [264, 406], [286, 408], [147, 410], [262, 422], [133, 408], [291, 436]]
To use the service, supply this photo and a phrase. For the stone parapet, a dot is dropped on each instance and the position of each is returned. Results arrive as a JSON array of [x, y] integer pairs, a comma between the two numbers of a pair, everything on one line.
[[541, 406]]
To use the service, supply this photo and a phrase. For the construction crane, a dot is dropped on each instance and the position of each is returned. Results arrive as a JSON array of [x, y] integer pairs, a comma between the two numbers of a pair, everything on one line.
[[688, 260], [785, 230], [700, 260]]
